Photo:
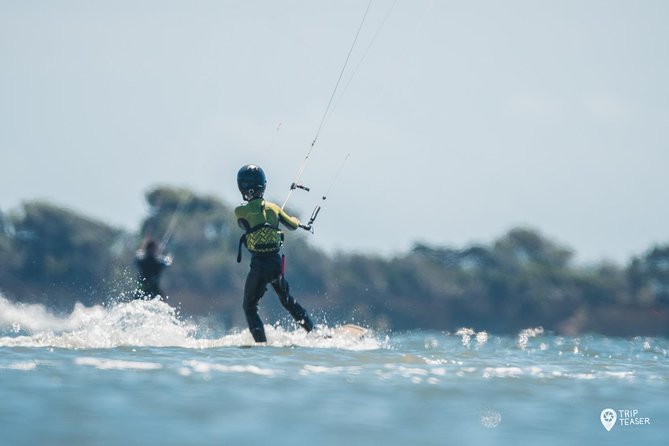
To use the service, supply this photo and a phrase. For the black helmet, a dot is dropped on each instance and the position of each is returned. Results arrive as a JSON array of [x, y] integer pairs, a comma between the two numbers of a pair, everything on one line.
[[251, 181]]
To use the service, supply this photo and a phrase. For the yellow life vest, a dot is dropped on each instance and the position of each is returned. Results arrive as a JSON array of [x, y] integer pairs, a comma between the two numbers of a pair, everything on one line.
[[264, 237]]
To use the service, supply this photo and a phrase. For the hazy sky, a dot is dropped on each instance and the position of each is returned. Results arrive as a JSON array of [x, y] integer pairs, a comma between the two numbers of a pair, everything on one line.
[[465, 118]]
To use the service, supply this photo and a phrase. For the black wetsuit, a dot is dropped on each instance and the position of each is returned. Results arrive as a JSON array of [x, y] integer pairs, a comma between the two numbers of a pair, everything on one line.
[[266, 269], [150, 268]]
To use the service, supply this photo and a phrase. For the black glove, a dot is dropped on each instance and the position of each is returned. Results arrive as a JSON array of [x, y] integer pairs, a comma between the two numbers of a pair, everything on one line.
[[305, 227]]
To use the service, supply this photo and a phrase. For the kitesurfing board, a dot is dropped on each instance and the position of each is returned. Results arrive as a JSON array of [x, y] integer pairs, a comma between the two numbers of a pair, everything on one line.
[[350, 330]]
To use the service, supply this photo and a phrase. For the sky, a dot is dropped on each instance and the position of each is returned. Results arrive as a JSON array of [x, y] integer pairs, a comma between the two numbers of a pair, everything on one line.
[[463, 119]]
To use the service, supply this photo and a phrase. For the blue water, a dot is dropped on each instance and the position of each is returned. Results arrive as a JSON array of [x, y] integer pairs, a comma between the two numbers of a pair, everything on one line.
[[137, 373]]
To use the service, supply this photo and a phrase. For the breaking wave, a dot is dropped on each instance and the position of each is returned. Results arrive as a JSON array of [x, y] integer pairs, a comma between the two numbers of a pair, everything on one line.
[[140, 323]]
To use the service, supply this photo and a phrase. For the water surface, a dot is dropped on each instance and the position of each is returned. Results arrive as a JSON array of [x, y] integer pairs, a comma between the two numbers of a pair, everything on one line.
[[137, 373]]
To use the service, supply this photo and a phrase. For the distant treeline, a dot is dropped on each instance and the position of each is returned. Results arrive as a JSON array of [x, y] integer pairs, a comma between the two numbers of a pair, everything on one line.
[[55, 256]]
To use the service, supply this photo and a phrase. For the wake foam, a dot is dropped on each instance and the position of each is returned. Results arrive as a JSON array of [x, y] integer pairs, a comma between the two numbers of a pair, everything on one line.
[[140, 323]]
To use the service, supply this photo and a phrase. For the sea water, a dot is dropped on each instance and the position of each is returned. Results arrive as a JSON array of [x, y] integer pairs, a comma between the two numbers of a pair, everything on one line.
[[137, 373]]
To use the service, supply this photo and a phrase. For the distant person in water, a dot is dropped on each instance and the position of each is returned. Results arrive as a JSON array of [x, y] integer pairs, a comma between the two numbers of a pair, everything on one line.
[[260, 221], [150, 265]]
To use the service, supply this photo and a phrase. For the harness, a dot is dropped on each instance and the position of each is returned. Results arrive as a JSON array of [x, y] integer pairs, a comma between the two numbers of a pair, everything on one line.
[[263, 238]]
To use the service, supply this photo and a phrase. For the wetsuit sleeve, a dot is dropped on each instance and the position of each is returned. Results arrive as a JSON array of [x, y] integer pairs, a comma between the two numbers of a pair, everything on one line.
[[292, 223], [289, 222]]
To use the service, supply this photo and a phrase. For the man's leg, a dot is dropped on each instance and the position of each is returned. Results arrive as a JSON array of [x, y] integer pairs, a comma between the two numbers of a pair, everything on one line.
[[300, 315], [254, 289]]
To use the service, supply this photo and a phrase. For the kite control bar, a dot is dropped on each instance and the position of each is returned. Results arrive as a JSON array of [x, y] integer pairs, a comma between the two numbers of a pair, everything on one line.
[[314, 214], [309, 226]]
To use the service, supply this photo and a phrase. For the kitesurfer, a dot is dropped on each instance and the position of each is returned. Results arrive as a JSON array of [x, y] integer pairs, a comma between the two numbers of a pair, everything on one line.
[[151, 266], [260, 220]]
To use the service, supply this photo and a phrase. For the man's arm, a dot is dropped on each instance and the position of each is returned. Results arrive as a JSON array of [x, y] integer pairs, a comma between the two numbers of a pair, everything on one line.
[[290, 222]]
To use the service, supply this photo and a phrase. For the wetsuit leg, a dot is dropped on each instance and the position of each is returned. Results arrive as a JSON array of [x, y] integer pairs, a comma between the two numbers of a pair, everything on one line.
[[155, 292], [147, 291], [300, 315], [254, 289]]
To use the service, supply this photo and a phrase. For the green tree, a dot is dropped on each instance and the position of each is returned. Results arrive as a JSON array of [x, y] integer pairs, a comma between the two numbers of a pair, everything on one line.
[[522, 279], [649, 276], [61, 251], [201, 234]]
